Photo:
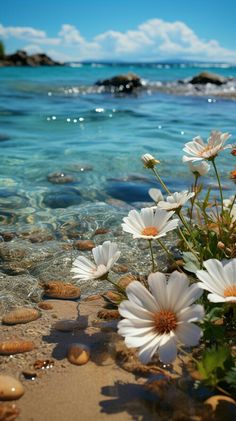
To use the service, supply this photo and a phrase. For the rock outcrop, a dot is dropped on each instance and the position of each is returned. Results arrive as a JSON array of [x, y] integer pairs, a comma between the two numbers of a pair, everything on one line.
[[207, 77], [126, 83], [21, 58]]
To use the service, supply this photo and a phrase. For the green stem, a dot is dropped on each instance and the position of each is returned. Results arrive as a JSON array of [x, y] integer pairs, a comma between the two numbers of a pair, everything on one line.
[[182, 219], [188, 245], [219, 183], [160, 181], [195, 196], [118, 287], [152, 256], [168, 253]]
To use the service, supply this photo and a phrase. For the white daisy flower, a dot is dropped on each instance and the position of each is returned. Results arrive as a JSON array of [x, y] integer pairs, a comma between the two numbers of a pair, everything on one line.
[[105, 256], [219, 279], [155, 194], [158, 320], [199, 167], [149, 161], [175, 201], [149, 224], [198, 150]]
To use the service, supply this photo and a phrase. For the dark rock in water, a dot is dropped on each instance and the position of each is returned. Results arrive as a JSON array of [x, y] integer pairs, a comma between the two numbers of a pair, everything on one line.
[[4, 137], [121, 83], [60, 178], [129, 192], [21, 58], [207, 77], [62, 198]]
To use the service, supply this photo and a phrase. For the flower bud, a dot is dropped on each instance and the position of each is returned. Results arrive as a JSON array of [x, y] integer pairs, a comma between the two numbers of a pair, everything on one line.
[[149, 161]]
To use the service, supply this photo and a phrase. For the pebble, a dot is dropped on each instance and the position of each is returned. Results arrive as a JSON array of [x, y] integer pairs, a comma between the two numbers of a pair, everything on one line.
[[124, 281], [94, 297], [15, 347], [78, 354], [8, 412], [113, 296], [10, 388], [60, 178], [45, 306], [66, 325], [224, 401], [101, 231], [7, 236], [43, 364], [108, 314], [84, 244], [120, 268], [20, 315], [58, 289]]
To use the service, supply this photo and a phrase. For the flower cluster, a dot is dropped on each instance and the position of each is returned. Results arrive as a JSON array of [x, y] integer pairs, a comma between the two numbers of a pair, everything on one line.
[[161, 315]]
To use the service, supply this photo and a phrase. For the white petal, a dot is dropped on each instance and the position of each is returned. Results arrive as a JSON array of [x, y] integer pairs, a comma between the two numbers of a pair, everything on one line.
[[131, 310], [157, 283], [168, 351], [137, 293], [215, 285], [177, 284], [188, 334], [215, 298], [137, 341], [191, 314], [192, 294], [230, 271], [133, 332], [147, 351]]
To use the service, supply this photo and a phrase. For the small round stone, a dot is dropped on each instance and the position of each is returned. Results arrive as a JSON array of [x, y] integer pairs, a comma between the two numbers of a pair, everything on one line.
[[60, 178], [84, 244], [45, 305], [125, 280], [58, 289], [16, 346], [66, 325], [10, 388], [20, 315], [78, 354]]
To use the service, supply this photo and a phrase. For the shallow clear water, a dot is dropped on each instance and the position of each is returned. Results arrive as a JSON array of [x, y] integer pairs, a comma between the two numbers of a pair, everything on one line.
[[56, 120], [53, 120]]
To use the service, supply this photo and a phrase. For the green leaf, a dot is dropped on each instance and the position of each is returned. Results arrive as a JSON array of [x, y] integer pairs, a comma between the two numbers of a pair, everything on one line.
[[214, 364], [191, 264], [230, 377]]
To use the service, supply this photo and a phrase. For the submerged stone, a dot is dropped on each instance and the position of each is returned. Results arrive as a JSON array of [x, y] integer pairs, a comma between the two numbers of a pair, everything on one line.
[[61, 290], [62, 199], [60, 178], [128, 192], [10, 388], [78, 354], [20, 315]]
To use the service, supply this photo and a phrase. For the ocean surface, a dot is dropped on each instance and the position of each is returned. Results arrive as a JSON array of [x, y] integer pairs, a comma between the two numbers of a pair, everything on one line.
[[55, 120]]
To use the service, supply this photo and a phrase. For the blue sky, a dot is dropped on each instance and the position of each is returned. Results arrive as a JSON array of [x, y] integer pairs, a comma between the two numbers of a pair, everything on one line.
[[129, 30]]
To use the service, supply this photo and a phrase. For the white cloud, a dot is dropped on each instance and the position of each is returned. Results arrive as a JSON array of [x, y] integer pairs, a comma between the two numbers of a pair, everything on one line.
[[27, 33], [152, 40]]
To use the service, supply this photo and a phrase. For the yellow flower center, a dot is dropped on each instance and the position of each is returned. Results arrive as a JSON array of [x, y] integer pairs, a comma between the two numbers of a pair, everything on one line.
[[230, 291], [164, 321], [150, 231], [206, 149]]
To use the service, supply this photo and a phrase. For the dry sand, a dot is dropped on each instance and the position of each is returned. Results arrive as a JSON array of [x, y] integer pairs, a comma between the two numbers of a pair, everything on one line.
[[102, 388], [66, 391]]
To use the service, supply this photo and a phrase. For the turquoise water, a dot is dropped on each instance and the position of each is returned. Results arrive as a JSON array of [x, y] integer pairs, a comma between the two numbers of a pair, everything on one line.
[[55, 120]]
